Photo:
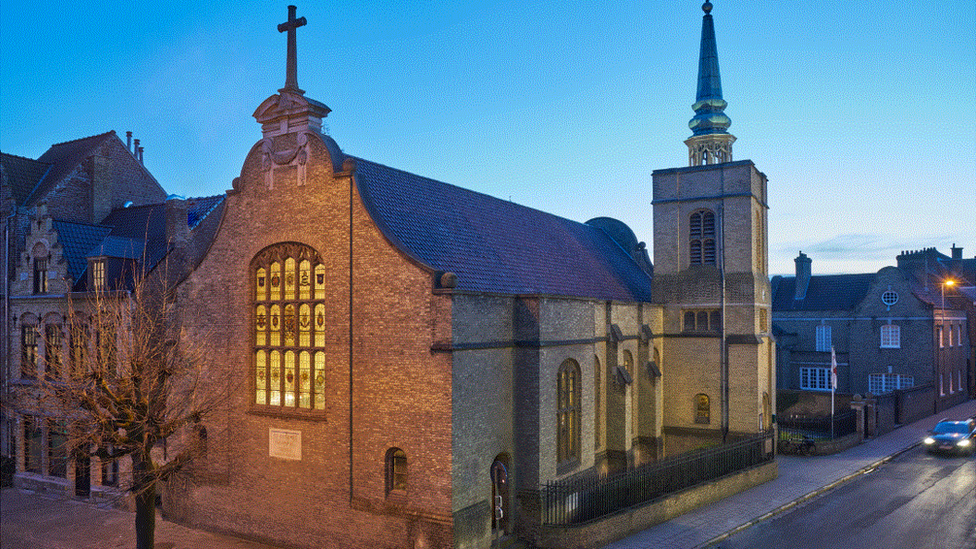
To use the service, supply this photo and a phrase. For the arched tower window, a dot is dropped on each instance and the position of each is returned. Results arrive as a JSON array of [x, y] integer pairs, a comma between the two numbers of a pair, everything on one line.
[[396, 471], [288, 289], [568, 412], [701, 238]]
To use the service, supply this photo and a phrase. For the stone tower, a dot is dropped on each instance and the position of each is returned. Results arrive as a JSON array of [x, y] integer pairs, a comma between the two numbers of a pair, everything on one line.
[[710, 276]]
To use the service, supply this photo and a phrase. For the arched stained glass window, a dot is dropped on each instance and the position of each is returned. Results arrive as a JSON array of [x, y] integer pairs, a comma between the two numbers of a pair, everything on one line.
[[290, 323]]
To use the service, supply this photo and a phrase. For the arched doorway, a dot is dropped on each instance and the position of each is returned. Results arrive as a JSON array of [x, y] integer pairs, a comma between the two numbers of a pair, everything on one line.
[[500, 497]]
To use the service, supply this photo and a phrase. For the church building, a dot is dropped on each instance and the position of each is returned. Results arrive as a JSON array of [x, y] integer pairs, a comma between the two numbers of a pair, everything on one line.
[[416, 359]]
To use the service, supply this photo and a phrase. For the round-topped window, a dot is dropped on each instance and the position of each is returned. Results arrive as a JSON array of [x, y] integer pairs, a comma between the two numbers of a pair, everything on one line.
[[889, 298]]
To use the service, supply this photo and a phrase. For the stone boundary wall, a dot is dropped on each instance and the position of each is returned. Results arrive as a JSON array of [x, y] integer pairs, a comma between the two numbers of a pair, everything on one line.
[[600, 532]]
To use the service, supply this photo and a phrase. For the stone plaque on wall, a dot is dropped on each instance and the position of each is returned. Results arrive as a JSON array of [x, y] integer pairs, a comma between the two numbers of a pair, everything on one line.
[[285, 444]]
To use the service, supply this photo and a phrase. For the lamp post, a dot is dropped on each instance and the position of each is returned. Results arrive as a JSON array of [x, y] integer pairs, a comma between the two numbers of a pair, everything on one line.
[[947, 282]]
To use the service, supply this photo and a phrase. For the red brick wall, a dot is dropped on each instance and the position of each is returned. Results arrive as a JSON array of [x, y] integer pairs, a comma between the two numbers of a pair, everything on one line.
[[400, 390]]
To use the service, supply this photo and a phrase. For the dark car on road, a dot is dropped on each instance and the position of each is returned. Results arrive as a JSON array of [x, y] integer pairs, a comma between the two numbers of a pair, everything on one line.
[[951, 436]]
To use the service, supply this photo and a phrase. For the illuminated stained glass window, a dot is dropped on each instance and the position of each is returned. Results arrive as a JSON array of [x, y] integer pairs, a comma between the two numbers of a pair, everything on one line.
[[289, 321]]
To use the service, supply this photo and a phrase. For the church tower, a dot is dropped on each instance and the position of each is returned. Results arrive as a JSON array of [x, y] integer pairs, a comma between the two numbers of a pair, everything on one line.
[[710, 277]]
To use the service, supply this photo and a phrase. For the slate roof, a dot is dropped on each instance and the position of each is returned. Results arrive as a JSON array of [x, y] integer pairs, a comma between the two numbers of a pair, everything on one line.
[[497, 246], [824, 293], [125, 233], [77, 239], [22, 174], [64, 158]]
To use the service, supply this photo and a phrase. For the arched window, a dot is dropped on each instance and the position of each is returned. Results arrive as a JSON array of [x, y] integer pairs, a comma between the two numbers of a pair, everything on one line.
[[701, 238], [288, 283], [396, 471], [568, 412]]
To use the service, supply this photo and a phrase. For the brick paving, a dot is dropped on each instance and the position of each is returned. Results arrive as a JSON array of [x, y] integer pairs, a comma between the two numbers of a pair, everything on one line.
[[36, 521]]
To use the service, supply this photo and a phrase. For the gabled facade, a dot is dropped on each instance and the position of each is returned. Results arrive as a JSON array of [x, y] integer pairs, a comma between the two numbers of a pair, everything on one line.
[[887, 332], [77, 181], [83, 218]]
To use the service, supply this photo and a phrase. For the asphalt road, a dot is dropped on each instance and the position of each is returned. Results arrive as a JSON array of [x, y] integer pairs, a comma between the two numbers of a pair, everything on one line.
[[915, 501]]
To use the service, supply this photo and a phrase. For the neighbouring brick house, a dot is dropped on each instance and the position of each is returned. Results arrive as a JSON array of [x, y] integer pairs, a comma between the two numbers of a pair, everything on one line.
[[79, 215], [416, 359], [889, 332]]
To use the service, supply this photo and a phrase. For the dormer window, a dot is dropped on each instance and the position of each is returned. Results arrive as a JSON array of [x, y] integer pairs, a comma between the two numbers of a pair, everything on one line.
[[98, 276]]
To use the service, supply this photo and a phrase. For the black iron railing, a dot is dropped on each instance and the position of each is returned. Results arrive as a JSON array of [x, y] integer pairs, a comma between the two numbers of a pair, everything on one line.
[[819, 427], [577, 500]]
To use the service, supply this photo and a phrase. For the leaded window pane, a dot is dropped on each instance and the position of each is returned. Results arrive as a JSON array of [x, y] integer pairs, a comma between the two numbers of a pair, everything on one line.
[[261, 377], [289, 279], [305, 280], [261, 285], [290, 378], [320, 381], [304, 380]]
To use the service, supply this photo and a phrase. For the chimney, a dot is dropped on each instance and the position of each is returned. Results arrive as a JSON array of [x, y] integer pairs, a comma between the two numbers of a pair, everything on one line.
[[128, 141], [140, 154], [101, 187], [177, 230], [956, 252], [135, 149], [802, 275]]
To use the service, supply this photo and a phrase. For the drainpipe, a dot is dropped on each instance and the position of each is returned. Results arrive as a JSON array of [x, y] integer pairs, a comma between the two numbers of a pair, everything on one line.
[[6, 317], [723, 346]]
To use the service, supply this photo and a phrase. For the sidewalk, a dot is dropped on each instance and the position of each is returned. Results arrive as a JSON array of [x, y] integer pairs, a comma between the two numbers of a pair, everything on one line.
[[800, 478], [45, 522]]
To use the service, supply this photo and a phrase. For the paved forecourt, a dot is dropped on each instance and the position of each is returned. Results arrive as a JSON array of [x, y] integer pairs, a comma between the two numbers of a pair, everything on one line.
[[800, 478]]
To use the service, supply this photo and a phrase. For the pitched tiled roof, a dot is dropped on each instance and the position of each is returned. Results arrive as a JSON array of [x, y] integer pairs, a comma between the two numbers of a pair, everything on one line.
[[197, 209], [824, 293], [497, 246], [143, 224], [77, 239], [64, 158], [125, 233], [22, 174]]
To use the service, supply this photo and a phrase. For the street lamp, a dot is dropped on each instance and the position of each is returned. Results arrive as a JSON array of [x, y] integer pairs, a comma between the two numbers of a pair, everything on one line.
[[942, 325]]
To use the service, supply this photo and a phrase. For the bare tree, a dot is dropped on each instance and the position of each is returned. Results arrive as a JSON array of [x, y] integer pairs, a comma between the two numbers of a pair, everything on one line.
[[134, 384]]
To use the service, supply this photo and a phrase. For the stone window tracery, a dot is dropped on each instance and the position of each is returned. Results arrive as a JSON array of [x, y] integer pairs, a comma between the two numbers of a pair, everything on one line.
[[288, 282]]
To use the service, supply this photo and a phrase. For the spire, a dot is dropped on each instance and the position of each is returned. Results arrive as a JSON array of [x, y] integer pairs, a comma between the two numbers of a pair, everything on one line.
[[710, 142]]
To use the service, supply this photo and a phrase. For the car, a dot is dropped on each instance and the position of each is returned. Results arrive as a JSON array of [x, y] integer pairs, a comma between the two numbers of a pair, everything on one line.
[[952, 436]]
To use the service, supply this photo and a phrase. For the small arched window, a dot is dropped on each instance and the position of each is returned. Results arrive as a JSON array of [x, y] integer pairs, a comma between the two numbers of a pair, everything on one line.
[[396, 471], [701, 238], [568, 412]]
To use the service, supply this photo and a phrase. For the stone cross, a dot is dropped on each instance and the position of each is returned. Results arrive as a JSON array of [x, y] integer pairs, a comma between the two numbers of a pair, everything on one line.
[[291, 76]]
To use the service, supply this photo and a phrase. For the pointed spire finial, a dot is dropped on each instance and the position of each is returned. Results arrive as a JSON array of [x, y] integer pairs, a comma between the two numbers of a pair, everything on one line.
[[710, 142]]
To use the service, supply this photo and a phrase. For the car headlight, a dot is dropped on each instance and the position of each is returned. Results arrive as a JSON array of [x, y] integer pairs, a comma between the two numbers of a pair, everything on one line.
[[929, 440], [964, 443]]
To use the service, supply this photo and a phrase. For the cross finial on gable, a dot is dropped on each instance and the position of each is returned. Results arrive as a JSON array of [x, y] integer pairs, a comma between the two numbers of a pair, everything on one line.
[[291, 76]]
